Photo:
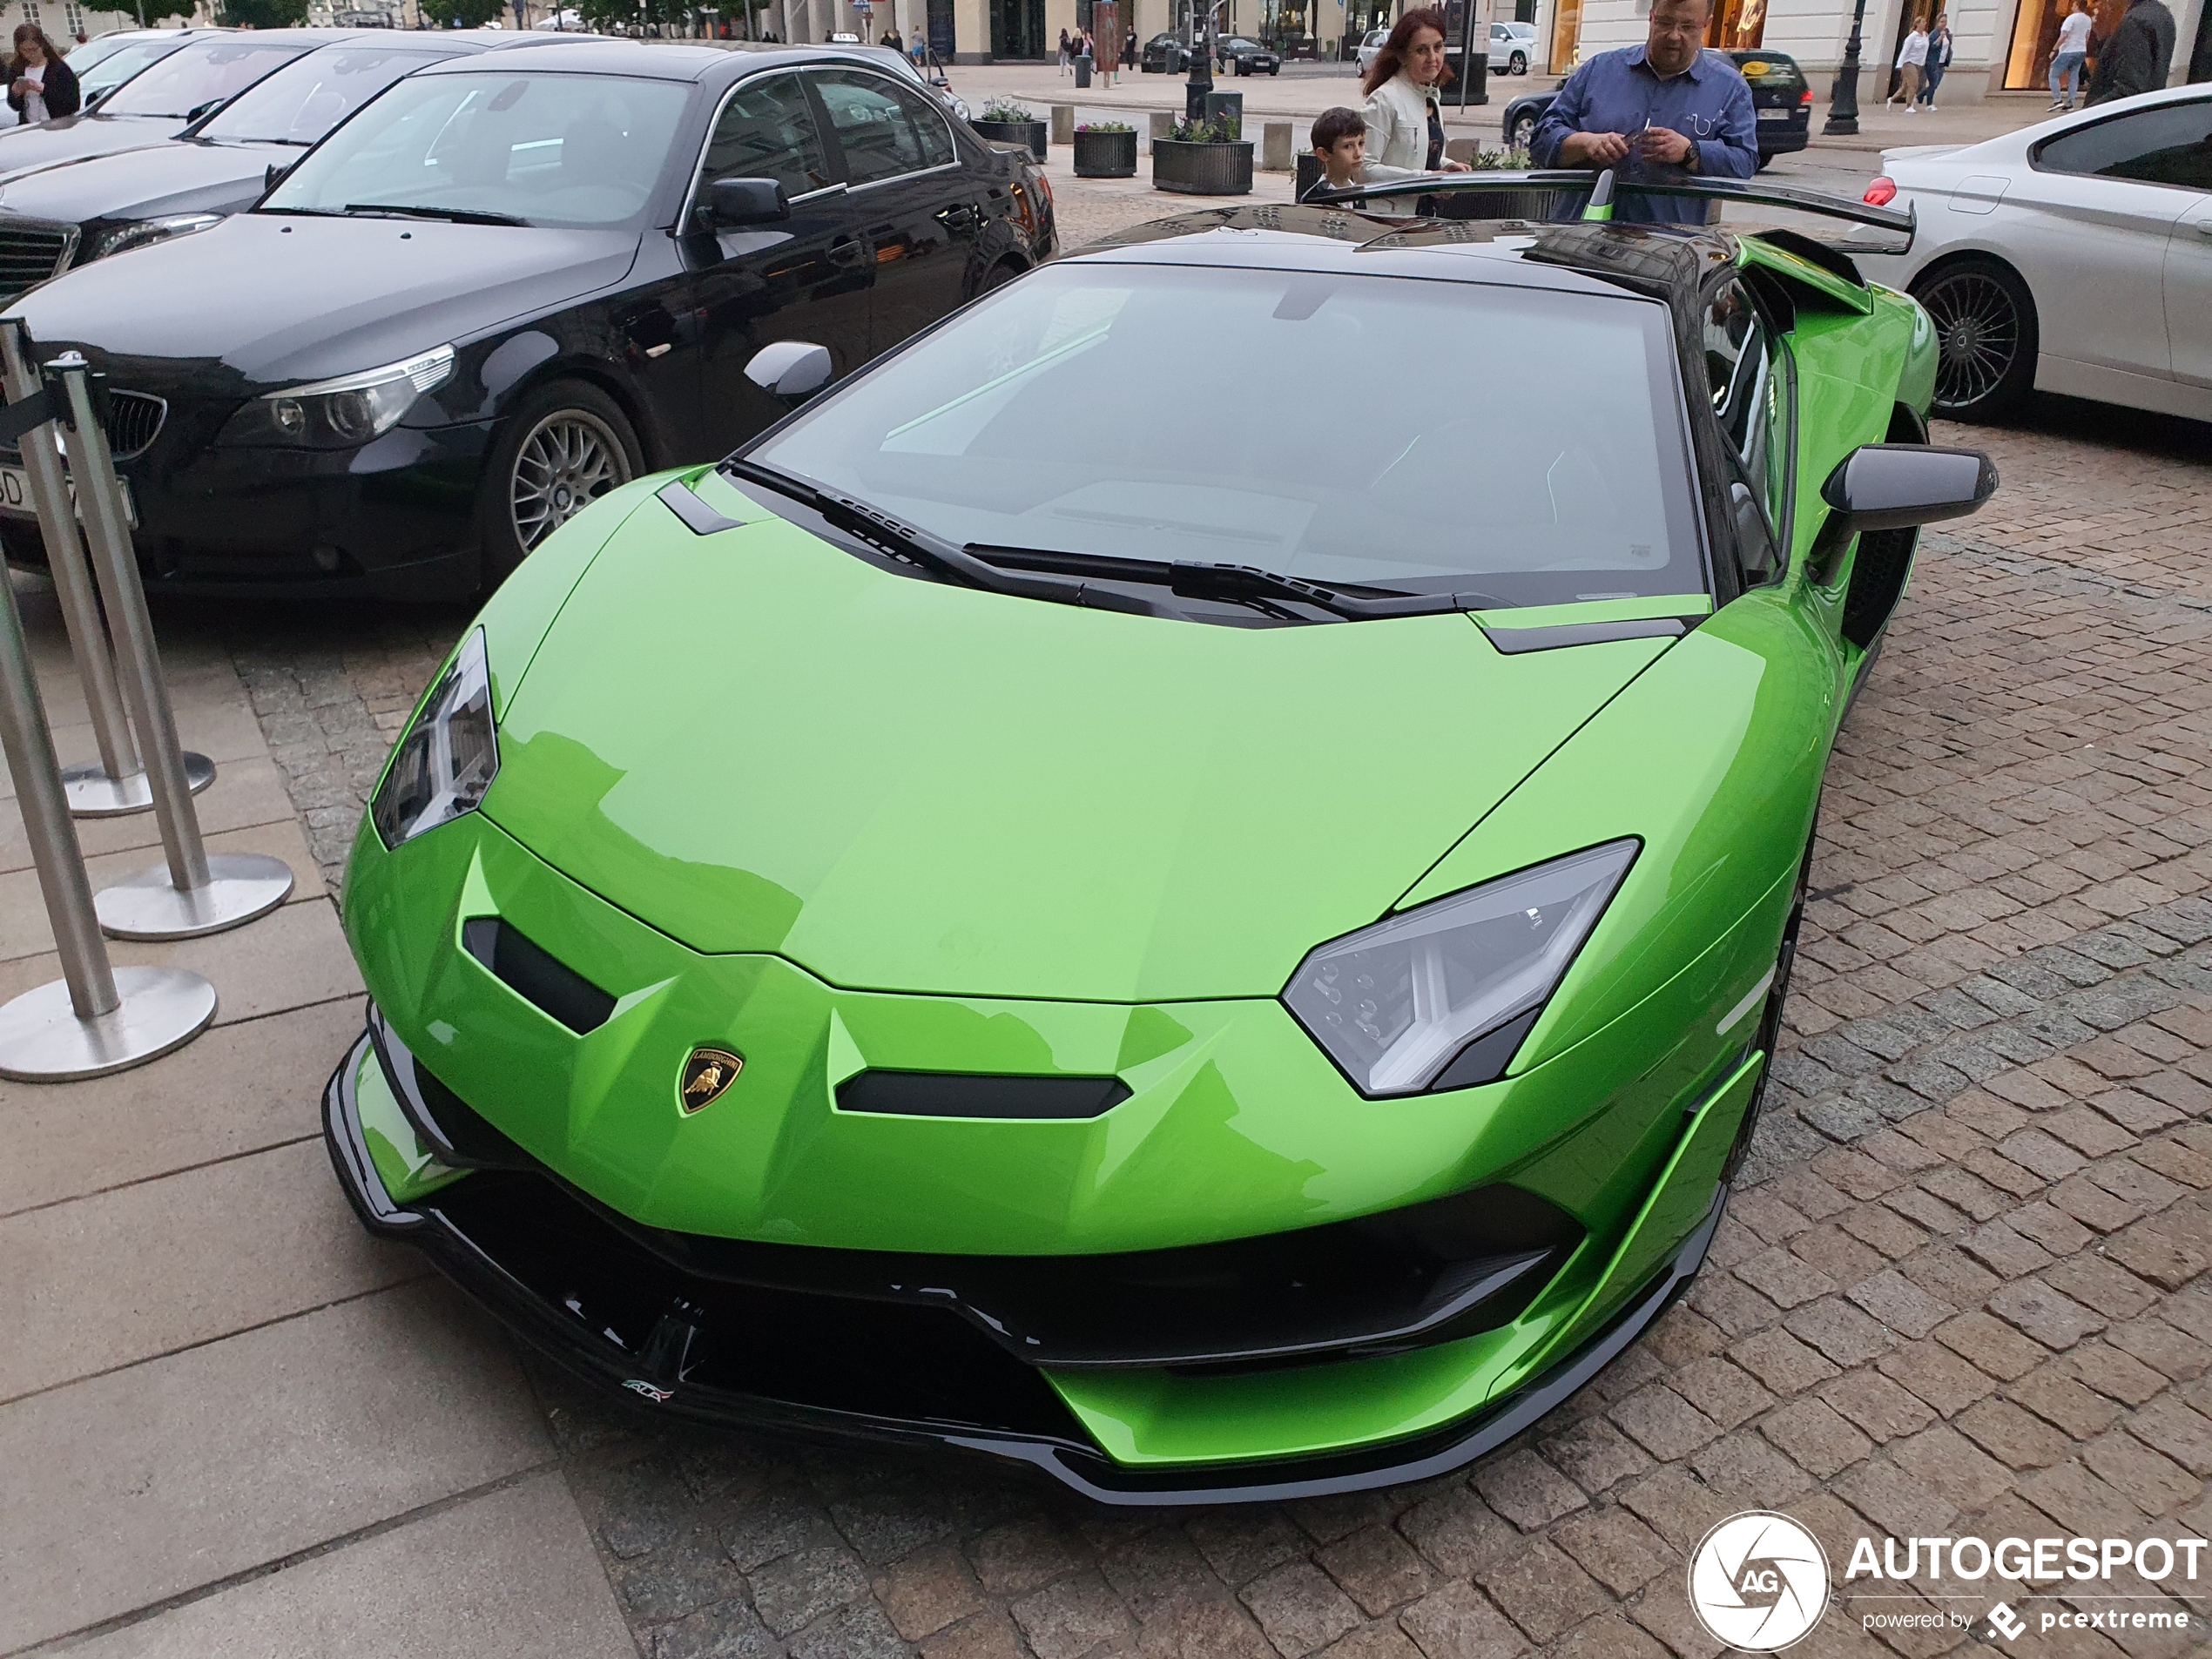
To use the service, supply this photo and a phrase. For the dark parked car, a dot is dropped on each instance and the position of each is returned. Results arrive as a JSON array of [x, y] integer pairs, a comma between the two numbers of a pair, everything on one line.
[[105, 62], [1779, 93], [72, 213], [508, 286], [1246, 57], [1164, 55], [162, 100]]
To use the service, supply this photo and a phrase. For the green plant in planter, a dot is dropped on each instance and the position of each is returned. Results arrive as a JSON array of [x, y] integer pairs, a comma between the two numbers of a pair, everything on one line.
[[1012, 114], [1509, 160], [1223, 130], [1105, 126]]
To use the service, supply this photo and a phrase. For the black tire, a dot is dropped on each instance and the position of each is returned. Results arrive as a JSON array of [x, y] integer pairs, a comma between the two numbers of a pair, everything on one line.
[[1771, 1017], [1986, 337], [1517, 64], [997, 277], [563, 446]]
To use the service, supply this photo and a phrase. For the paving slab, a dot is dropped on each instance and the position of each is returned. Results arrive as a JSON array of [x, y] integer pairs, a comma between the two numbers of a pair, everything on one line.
[[244, 793], [515, 1578], [26, 929], [232, 1091], [238, 1243], [292, 958], [128, 1489]]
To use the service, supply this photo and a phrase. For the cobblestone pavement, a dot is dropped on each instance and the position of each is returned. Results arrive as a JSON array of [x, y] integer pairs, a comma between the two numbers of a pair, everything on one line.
[[1961, 1292]]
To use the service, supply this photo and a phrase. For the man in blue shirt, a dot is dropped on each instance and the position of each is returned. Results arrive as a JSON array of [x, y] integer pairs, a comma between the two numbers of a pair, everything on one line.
[[1668, 109]]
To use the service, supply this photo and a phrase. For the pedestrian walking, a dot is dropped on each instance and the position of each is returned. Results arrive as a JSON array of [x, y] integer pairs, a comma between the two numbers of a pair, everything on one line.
[[1404, 124], [1665, 109], [40, 85], [2137, 58], [2073, 50], [1938, 60], [1067, 57], [1912, 58]]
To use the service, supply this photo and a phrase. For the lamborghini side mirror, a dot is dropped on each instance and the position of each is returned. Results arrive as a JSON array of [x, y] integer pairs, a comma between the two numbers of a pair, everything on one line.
[[794, 369], [1896, 486]]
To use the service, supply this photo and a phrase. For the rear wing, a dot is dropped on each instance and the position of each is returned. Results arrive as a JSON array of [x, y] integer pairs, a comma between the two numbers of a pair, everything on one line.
[[1603, 186]]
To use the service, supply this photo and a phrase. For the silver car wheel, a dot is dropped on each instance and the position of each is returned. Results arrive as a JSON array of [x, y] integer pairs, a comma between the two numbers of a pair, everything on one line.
[[568, 460]]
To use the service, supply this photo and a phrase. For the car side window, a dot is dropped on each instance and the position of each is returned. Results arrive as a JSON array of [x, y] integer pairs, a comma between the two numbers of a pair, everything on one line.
[[766, 131], [2171, 145], [884, 130], [1750, 409]]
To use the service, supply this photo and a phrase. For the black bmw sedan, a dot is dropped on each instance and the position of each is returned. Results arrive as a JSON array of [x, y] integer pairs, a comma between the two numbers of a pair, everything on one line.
[[72, 213], [506, 286], [162, 100]]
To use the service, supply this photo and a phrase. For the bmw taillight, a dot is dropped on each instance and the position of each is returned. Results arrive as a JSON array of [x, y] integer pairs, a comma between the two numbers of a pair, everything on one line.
[[1805, 98], [1880, 194]]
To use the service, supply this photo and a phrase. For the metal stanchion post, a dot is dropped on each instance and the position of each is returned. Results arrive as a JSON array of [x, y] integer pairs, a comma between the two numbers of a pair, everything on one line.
[[95, 1019], [117, 784], [194, 893]]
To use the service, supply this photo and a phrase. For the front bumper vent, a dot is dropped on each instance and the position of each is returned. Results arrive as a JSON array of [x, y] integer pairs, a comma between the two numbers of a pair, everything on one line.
[[535, 975], [940, 1093]]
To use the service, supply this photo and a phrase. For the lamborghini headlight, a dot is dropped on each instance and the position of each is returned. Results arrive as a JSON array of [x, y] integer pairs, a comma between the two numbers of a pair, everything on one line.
[[447, 757], [1439, 996]]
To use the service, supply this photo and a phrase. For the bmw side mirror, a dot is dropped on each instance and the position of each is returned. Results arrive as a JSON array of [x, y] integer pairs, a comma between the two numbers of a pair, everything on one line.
[[733, 203], [794, 369], [275, 175], [1896, 486]]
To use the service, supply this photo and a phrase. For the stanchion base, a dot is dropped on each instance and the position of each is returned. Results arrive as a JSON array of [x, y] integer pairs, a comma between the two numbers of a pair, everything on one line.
[[240, 886], [92, 793], [42, 1040]]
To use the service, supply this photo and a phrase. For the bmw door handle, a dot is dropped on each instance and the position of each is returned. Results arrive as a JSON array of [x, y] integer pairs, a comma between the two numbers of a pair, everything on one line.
[[848, 251], [960, 217]]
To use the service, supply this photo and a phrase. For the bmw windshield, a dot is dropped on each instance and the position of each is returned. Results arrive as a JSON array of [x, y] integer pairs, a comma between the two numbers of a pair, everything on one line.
[[307, 97], [204, 72], [576, 151], [1409, 436]]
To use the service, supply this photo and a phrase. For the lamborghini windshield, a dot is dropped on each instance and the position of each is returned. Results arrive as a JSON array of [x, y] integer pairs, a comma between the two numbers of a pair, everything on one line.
[[1354, 430]]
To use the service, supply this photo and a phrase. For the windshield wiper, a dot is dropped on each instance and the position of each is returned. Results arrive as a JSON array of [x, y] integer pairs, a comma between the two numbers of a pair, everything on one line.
[[1197, 580], [456, 215], [858, 518]]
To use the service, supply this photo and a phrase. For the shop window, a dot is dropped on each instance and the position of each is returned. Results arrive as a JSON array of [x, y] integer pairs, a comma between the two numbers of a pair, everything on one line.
[[1567, 35], [1736, 25], [2035, 39]]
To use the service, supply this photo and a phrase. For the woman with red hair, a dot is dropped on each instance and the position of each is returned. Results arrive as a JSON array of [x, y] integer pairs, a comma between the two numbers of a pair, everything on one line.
[[1404, 124]]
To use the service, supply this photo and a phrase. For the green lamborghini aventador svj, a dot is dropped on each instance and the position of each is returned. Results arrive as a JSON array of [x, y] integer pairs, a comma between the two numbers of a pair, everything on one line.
[[1187, 879]]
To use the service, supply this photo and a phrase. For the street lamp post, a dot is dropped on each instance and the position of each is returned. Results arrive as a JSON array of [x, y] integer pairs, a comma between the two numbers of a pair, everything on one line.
[[1201, 81], [1843, 94]]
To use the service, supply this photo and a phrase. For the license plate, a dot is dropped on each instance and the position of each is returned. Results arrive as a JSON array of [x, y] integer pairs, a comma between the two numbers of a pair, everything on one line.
[[14, 496], [1774, 115]]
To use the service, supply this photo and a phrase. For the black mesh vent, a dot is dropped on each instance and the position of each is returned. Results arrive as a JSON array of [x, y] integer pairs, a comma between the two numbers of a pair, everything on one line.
[[535, 975], [942, 1093]]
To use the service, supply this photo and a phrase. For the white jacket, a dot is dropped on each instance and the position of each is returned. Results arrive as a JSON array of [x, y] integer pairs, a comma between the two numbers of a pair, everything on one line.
[[1397, 117]]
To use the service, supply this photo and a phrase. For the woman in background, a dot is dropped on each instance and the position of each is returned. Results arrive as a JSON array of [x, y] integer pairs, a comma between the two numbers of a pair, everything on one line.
[[1402, 87], [40, 85]]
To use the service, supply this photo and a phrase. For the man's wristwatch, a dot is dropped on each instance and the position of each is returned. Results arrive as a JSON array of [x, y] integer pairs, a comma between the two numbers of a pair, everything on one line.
[[1689, 157]]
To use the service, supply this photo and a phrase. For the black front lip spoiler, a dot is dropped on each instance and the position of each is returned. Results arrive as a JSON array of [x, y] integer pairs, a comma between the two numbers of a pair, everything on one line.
[[1081, 1468]]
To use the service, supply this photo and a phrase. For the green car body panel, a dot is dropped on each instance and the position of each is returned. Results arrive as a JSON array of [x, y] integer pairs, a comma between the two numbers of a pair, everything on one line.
[[774, 798]]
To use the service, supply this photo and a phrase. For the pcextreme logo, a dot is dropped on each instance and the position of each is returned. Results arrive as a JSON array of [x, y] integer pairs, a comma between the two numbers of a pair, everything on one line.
[[1758, 1581]]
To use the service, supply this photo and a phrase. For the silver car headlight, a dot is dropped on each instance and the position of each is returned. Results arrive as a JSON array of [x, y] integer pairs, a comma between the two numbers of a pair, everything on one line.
[[342, 413], [145, 232], [1439, 996], [448, 757]]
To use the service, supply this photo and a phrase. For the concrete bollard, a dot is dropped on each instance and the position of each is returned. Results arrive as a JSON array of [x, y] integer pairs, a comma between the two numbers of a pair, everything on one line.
[[1277, 147], [1063, 123], [1461, 149], [1162, 124]]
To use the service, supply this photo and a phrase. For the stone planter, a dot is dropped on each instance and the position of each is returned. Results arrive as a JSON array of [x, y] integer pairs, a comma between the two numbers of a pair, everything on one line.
[[1032, 133], [1105, 155], [1203, 169]]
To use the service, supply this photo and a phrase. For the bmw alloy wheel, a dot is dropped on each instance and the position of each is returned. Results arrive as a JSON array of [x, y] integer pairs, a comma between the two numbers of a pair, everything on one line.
[[570, 460], [1978, 335]]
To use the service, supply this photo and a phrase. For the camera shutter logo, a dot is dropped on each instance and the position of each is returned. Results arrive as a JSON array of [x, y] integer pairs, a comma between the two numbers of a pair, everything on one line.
[[1758, 1581]]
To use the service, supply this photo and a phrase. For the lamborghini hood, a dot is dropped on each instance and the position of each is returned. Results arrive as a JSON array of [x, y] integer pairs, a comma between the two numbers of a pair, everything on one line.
[[756, 742]]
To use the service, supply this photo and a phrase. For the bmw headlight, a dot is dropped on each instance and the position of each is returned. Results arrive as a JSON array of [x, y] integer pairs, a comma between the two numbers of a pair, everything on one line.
[[340, 414], [447, 757], [145, 232], [1440, 996]]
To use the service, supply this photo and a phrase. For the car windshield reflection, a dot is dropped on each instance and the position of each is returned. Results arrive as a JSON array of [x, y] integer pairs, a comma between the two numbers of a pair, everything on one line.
[[204, 72], [1531, 441], [304, 99], [560, 150]]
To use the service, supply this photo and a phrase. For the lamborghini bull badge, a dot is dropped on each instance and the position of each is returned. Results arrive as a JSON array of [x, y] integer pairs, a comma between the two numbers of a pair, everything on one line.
[[707, 1074]]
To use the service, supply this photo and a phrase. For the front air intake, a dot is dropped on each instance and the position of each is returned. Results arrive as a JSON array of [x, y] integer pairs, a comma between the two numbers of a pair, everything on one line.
[[946, 1093], [535, 974]]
